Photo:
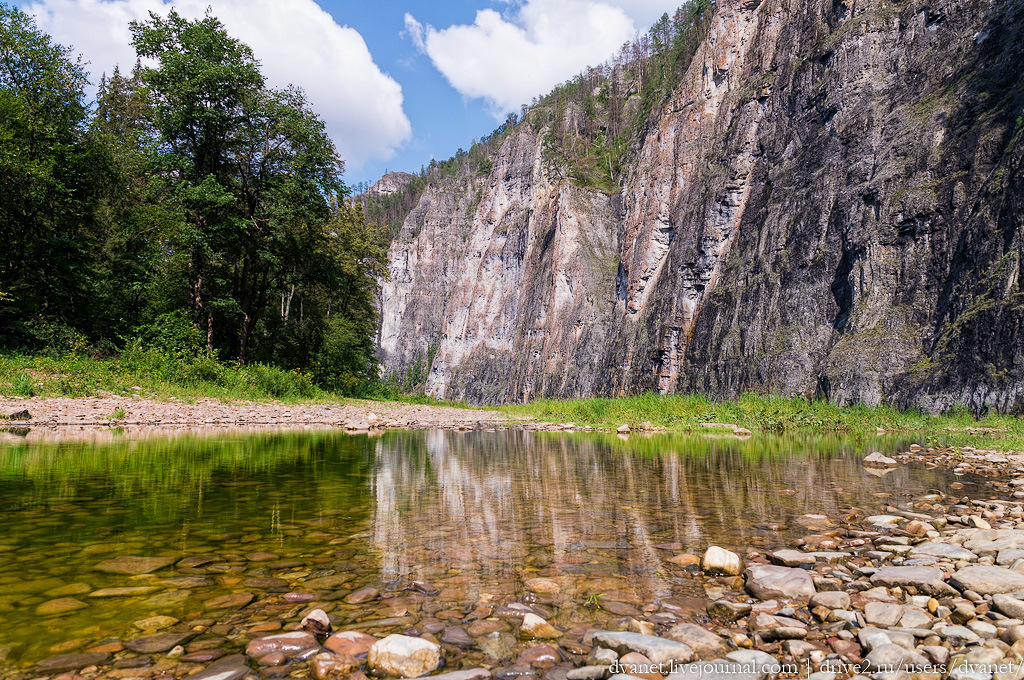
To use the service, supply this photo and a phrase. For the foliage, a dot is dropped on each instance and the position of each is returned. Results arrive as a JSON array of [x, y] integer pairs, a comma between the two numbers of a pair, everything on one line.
[[195, 212]]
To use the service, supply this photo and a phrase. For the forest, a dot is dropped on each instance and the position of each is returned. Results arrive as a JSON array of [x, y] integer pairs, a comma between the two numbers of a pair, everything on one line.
[[191, 212]]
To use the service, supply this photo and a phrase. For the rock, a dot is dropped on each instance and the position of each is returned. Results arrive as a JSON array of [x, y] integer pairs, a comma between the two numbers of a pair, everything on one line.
[[987, 580], [638, 665], [945, 550], [536, 627], [833, 599], [316, 622], [957, 635], [876, 459], [72, 662], [885, 656], [1010, 606], [720, 670], [468, 674], [155, 622], [926, 579], [60, 606], [623, 429], [724, 610], [231, 667], [705, 644], [590, 673], [350, 643], [196, 561], [684, 560], [229, 601], [790, 558], [404, 656], [658, 650], [456, 635], [545, 586], [132, 566], [721, 561], [884, 614], [768, 582], [326, 665], [155, 644], [289, 644], [485, 627], [125, 591], [539, 656], [915, 617], [362, 595], [20, 415], [272, 659]]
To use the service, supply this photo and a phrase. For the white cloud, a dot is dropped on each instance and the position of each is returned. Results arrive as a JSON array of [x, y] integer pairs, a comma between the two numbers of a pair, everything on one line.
[[295, 40], [507, 60]]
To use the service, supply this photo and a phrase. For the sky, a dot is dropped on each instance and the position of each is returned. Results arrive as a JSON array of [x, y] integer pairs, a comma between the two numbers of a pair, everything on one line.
[[398, 82]]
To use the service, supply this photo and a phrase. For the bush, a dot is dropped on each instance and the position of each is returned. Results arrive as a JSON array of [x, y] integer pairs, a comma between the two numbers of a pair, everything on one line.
[[279, 383], [22, 385]]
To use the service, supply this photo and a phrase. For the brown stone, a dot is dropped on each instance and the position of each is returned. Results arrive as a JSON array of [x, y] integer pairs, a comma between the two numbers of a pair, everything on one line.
[[350, 643], [329, 665], [229, 601], [132, 565], [539, 656], [72, 662]]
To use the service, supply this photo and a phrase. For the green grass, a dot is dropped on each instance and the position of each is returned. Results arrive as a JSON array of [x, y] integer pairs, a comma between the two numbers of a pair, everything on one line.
[[764, 414]]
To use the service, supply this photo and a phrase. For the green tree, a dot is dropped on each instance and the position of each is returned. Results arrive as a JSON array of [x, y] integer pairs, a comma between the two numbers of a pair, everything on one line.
[[48, 183]]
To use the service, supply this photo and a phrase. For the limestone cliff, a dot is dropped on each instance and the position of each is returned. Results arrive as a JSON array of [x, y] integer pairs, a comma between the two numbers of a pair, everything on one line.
[[829, 203]]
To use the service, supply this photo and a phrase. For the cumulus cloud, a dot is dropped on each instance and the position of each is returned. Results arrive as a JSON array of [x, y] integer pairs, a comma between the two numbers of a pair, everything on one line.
[[296, 41], [508, 59]]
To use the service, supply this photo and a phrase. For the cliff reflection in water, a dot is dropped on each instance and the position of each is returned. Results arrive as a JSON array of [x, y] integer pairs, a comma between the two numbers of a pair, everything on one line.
[[508, 505]]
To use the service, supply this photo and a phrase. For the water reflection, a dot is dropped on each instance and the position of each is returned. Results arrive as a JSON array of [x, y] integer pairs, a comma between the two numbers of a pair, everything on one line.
[[472, 513]]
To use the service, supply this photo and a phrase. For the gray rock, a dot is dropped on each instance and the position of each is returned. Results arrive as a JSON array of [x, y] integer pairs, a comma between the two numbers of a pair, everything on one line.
[[232, 667], [1009, 556], [718, 670], [884, 614], [947, 550], [658, 650], [957, 635], [468, 674], [456, 635], [884, 657], [1010, 606], [155, 644], [926, 579], [705, 644], [588, 673], [767, 582], [915, 617], [876, 459], [72, 662], [987, 580], [721, 561], [832, 599], [790, 558], [724, 610]]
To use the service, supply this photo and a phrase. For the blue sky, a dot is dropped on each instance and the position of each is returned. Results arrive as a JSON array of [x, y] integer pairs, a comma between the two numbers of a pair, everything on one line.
[[398, 82]]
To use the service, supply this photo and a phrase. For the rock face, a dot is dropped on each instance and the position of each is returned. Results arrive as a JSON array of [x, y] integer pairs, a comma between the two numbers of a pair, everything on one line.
[[818, 209]]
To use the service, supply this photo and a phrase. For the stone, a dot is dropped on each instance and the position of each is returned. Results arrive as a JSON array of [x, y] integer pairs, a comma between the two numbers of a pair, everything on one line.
[[719, 670], [327, 665], [724, 610], [944, 550], [539, 656], [658, 650], [987, 580], [884, 614], [915, 617], [155, 622], [72, 662], [790, 558], [456, 635], [23, 414], [232, 667], [467, 674], [350, 643], [272, 659], [639, 666], [132, 566], [196, 561], [721, 561], [926, 579], [229, 601], [289, 644], [316, 622], [125, 591], [1010, 606], [60, 606], [544, 586], [705, 644], [768, 582], [155, 644], [876, 459], [885, 656], [536, 627], [623, 429], [362, 595], [833, 599], [684, 560], [404, 656], [485, 627], [957, 635]]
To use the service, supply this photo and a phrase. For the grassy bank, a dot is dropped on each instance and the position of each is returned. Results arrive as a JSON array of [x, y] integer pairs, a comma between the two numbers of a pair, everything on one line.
[[687, 413]]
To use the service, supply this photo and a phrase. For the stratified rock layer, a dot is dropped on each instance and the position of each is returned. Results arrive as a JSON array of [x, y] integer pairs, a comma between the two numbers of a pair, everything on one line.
[[830, 204]]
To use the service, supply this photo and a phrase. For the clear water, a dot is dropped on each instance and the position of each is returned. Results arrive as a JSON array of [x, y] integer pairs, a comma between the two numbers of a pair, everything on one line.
[[473, 513]]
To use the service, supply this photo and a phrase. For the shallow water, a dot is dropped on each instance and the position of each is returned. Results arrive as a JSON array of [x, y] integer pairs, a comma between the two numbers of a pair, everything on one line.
[[473, 513]]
